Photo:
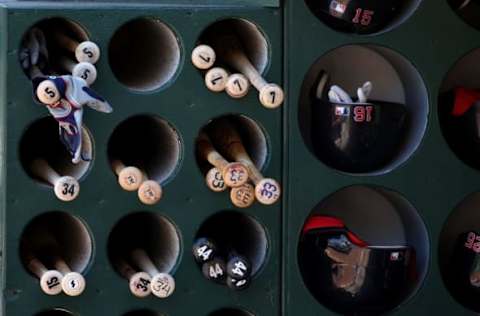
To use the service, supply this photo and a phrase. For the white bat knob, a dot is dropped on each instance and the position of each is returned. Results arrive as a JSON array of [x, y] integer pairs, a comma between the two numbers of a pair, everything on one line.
[[130, 178], [243, 196], [271, 96], [86, 71], [214, 180], [237, 86], [203, 57], [50, 282], [150, 192], [47, 92], [216, 79], [73, 284], [163, 285], [140, 284], [87, 52], [67, 188], [267, 191]]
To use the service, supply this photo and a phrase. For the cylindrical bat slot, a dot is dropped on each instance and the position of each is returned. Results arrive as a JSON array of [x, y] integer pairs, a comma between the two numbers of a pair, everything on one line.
[[54, 235], [147, 142], [231, 312], [55, 312], [41, 141], [40, 41], [253, 137], [235, 231], [153, 234], [253, 41], [144, 54], [142, 312]]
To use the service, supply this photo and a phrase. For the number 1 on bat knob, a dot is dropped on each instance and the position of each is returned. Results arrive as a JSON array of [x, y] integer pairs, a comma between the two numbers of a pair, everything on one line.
[[66, 188], [203, 57]]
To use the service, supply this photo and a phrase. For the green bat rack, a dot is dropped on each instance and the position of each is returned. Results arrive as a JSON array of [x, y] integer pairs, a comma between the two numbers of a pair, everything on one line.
[[425, 197]]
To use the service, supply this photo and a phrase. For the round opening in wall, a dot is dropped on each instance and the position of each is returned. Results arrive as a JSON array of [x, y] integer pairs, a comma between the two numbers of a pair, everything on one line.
[[459, 252], [363, 16], [144, 54], [459, 109], [363, 249], [363, 109], [467, 10]]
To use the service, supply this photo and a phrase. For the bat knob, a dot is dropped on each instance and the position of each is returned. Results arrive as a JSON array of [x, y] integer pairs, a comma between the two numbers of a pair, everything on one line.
[[216, 79], [204, 250], [50, 282], [238, 284], [47, 92], [215, 270], [237, 86], [130, 178], [139, 284], [267, 191], [86, 71], [66, 188], [271, 96], [88, 52], [163, 285], [73, 284], [239, 267], [235, 174], [244, 196], [203, 57], [215, 180], [150, 192]]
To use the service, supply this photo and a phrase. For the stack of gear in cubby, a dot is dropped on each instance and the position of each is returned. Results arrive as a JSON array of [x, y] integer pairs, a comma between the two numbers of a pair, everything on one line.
[[222, 264]]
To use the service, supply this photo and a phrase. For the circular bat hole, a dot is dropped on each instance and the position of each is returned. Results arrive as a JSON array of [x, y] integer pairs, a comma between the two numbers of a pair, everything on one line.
[[374, 228], [231, 312], [55, 312], [459, 109], [252, 38], [149, 143], [41, 141], [363, 16], [41, 49], [379, 135], [252, 134], [57, 234], [458, 252], [144, 54], [153, 233], [467, 10], [142, 312], [236, 232]]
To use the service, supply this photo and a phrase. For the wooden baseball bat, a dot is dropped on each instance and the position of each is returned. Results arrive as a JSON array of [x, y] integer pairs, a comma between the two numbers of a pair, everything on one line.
[[230, 48], [129, 178], [224, 135], [162, 284], [50, 280], [83, 70], [244, 196], [150, 191], [234, 174], [86, 51], [73, 283], [66, 188], [138, 282]]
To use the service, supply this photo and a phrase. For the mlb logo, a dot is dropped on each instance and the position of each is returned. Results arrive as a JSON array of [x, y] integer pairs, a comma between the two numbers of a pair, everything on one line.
[[342, 111], [395, 256], [338, 7]]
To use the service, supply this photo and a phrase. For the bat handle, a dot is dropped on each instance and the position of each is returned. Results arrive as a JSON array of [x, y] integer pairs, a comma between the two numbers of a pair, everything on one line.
[[36, 267], [243, 64], [66, 41], [43, 170], [143, 261], [61, 265]]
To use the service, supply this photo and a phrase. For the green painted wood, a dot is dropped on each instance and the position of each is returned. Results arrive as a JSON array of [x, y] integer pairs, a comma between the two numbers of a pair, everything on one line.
[[187, 201], [433, 179]]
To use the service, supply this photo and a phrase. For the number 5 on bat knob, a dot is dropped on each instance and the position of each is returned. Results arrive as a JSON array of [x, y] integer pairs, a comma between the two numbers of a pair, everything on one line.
[[66, 188], [83, 70], [84, 52]]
